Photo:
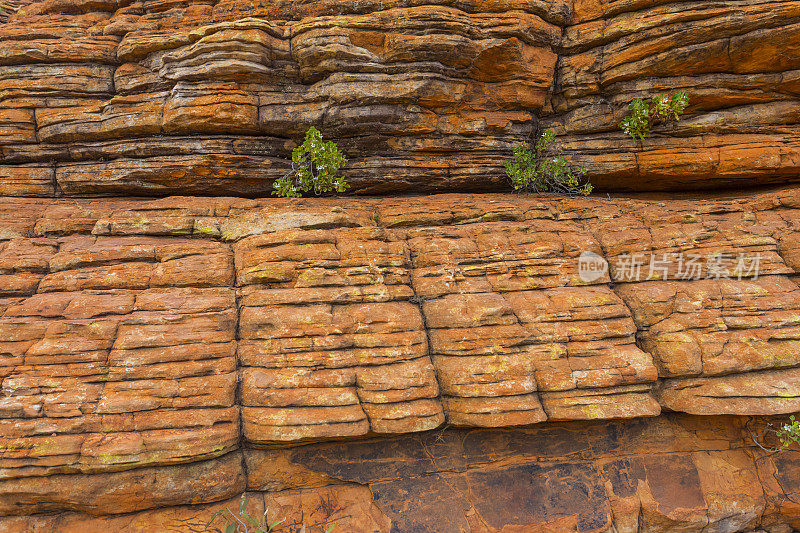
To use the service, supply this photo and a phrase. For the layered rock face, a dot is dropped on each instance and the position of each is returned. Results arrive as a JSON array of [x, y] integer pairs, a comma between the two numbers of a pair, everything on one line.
[[163, 353], [671, 473], [208, 97], [737, 61], [456, 362]]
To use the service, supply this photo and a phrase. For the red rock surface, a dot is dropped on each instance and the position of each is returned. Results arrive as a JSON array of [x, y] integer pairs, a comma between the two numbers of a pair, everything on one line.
[[395, 364], [738, 64], [208, 97], [671, 473], [161, 353]]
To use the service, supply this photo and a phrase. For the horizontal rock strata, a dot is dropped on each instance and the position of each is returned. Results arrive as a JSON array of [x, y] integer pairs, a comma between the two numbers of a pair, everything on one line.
[[446, 363], [182, 339], [102, 98], [158, 99], [674, 472], [738, 64]]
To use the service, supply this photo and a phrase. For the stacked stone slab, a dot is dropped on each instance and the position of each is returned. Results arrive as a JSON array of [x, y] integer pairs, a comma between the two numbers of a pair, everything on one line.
[[381, 363], [128, 327], [738, 63], [208, 97]]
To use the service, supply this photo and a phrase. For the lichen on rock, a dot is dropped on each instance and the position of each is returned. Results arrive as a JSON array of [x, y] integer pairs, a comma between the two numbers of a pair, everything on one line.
[[172, 338]]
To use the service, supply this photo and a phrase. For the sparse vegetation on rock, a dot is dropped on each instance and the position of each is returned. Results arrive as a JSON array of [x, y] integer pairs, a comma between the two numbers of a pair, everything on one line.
[[644, 114], [774, 440], [244, 522], [170, 339], [315, 168], [542, 168], [789, 433]]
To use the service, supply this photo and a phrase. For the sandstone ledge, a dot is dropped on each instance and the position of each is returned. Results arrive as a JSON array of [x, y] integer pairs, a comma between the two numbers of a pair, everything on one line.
[[208, 97], [673, 472], [141, 339]]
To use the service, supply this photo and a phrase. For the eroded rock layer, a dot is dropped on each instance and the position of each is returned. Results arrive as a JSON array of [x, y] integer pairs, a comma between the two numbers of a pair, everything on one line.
[[739, 62], [172, 352], [208, 97], [671, 473], [444, 363]]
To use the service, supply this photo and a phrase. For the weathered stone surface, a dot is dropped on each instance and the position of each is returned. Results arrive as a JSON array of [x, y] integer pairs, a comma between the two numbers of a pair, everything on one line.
[[665, 474], [382, 316], [757, 392], [160, 357], [128, 325], [714, 327], [422, 96], [740, 128], [400, 84], [124, 358], [121, 492], [357, 356], [671, 473]]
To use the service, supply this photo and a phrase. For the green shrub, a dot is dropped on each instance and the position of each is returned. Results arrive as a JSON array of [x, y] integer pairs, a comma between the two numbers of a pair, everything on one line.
[[644, 114], [789, 433], [315, 165], [543, 168], [772, 439]]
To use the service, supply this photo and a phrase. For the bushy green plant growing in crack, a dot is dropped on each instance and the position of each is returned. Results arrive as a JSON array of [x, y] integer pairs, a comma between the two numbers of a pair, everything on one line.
[[644, 114], [543, 168], [315, 168]]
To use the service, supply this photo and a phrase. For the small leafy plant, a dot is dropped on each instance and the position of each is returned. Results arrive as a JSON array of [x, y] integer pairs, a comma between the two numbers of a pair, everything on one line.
[[315, 165], [243, 521], [644, 114], [787, 435], [543, 168]]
